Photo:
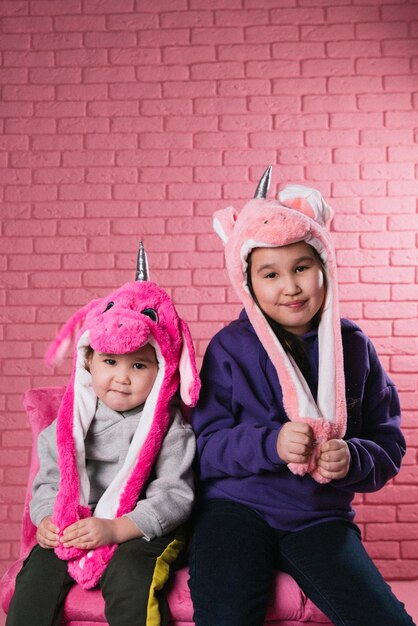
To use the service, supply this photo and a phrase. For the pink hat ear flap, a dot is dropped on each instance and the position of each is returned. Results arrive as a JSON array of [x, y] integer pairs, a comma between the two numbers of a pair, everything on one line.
[[67, 333], [224, 222], [189, 378]]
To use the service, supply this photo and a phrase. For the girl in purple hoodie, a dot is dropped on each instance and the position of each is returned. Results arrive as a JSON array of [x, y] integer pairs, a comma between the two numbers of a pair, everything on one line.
[[295, 416]]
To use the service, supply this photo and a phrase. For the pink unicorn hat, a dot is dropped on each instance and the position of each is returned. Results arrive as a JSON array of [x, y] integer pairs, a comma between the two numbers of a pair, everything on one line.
[[299, 214], [136, 314]]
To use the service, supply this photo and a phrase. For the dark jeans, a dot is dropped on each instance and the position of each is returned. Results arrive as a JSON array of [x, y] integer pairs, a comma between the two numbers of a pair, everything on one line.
[[43, 584], [234, 554]]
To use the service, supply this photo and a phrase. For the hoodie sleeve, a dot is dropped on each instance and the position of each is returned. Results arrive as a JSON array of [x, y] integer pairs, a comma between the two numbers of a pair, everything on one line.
[[374, 436], [235, 420], [46, 482], [169, 496]]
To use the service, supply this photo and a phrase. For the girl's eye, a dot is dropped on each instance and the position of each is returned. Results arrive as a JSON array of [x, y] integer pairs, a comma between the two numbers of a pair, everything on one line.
[[110, 361], [139, 366], [151, 313], [109, 306], [271, 275], [301, 268]]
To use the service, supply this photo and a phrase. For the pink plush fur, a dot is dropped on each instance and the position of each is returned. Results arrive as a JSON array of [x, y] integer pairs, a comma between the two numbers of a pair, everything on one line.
[[301, 216], [118, 324]]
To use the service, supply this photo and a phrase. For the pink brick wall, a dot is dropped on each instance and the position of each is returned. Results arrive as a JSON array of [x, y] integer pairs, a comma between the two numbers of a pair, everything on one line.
[[129, 119]]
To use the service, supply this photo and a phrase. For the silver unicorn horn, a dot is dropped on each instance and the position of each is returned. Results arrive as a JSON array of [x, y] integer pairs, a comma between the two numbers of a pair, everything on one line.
[[142, 272], [264, 184]]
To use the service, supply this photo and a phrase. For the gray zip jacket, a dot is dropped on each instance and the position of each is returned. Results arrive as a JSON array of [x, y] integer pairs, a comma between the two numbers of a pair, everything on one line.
[[167, 498]]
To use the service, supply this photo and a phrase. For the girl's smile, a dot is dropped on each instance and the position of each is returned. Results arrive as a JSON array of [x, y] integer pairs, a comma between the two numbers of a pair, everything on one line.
[[289, 285], [297, 304]]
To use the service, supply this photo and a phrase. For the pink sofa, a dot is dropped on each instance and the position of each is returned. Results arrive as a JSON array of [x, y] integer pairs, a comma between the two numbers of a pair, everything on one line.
[[288, 605]]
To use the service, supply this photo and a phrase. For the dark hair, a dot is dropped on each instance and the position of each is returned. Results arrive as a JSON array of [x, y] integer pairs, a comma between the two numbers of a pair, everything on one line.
[[87, 356], [291, 343]]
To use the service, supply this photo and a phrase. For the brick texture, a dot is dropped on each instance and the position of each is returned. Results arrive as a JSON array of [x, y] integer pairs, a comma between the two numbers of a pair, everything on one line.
[[130, 119]]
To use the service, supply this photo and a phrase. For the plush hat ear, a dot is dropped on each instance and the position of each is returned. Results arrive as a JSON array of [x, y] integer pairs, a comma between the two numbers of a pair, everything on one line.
[[308, 201], [224, 222], [67, 333], [189, 378]]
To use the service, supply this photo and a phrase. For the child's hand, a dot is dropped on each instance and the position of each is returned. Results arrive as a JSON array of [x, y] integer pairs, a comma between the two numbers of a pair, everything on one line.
[[88, 533], [334, 459], [295, 442], [93, 532], [47, 533]]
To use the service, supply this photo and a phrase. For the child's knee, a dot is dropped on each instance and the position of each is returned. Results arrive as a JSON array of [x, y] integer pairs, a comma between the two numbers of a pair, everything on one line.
[[45, 561], [135, 563]]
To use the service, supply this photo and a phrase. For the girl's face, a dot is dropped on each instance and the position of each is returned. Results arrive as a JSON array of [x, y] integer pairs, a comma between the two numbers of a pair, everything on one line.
[[123, 381], [288, 283]]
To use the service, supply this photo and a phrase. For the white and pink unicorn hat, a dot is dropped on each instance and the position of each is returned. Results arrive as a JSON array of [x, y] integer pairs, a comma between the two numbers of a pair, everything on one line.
[[136, 314], [299, 214]]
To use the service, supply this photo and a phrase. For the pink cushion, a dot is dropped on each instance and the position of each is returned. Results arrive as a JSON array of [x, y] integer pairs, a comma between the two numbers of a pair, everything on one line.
[[288, 605], [41, 407]]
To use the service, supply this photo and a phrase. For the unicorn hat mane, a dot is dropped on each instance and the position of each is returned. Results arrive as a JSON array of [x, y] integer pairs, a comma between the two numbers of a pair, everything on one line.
[[299, 214], [136, 314]]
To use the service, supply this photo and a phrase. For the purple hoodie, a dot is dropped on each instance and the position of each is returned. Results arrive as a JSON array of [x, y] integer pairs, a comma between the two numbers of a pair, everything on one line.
[[240, 413]]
